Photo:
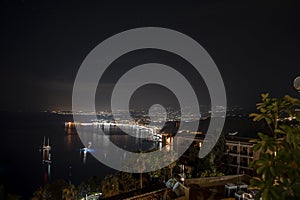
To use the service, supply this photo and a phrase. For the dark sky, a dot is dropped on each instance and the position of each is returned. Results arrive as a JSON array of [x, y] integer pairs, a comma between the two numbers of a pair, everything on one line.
[[254, 44]]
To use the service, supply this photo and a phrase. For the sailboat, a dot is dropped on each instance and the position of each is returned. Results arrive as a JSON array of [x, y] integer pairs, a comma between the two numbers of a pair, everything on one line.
[[46, 147]]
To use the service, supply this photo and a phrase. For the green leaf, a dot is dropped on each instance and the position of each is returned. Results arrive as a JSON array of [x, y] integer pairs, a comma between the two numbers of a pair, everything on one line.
[[264, 96], [268, 120], [297, 115], [256, 182], [262, 136], [257, 147], [279, 131], [253, 141], [264, 148], [260, 170], [263, 110], [272, 170], [265, 195], [291, 99], [275, 193]]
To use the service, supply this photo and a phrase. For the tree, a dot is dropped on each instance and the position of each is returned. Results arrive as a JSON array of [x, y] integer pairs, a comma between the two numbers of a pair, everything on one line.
[[69, 192], [55, 189], [211, 164], [126, 181], [278, 166], [83, 189], [2, 192], [38, 194], [95, 184], [149, 161], [51, 191], [110, 186]]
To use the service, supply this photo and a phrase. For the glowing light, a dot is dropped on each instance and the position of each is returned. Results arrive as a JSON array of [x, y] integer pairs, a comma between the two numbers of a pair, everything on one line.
[[87, 150]]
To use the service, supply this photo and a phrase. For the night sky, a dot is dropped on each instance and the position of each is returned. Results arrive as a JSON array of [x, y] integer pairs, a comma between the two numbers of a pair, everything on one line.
[[43, 43]]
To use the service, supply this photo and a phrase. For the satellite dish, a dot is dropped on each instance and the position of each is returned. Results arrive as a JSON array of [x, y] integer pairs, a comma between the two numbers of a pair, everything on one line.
[[297, 83]]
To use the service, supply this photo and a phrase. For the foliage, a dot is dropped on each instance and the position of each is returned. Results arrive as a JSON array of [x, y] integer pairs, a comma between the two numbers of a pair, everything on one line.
[[50, 191], [211, 173], [211, 164], [2, 192], [69, 192], [60, 189], [94, 183], [83, 189], [149, 161], [7, 196], [126, 181], [110, 186], [278, 166]]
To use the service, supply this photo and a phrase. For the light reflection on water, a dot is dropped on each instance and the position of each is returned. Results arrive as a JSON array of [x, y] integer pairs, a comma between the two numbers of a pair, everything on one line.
[[104, 145], [119, 138], [102, 142], [70, 162]]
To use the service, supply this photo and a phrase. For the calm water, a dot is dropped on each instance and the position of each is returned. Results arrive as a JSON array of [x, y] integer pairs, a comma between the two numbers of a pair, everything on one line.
[[21, 168]]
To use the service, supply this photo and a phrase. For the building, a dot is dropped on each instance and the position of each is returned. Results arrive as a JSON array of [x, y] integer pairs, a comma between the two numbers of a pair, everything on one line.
[[239, 154]]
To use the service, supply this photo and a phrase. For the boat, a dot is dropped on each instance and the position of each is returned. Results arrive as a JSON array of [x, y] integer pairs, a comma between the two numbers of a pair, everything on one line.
[[86, 149], [46, 147], [47, 161]]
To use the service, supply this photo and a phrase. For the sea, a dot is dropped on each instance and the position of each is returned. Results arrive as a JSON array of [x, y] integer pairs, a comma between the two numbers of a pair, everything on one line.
[[22, 170]]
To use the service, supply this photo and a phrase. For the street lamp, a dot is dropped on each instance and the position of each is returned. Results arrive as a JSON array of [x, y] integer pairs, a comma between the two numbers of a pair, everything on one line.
[[297, 83]]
